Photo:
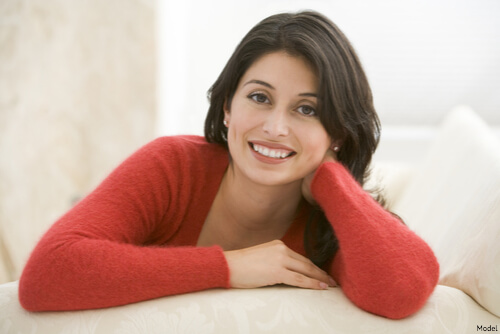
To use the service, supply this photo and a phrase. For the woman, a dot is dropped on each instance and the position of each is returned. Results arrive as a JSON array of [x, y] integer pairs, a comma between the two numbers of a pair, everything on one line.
[[271, 195]]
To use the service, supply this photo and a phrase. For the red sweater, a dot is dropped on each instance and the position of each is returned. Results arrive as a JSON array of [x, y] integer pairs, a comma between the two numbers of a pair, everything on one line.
[[134, 238]]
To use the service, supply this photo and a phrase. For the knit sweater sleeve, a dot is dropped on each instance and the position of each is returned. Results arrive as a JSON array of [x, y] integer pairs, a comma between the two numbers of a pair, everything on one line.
[[381, 265], [105, 251]]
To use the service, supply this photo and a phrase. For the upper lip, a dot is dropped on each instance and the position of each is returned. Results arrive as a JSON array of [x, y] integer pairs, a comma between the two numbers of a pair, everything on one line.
[[270, 145]]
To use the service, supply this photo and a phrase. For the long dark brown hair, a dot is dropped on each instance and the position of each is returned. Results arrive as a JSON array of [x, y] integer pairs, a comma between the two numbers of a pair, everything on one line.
[[345, 103]]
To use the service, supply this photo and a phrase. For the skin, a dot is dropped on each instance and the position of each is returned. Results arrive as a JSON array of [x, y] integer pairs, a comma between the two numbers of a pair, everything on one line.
[[273, 108]]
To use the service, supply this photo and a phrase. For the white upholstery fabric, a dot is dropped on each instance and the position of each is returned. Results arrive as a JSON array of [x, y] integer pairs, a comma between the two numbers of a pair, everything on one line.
[[390, 179], [4, 260], [266, 310], [453, 202]]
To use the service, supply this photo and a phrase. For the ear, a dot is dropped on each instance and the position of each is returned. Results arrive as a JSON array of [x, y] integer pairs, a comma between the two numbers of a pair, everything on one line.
[[336, 145], [227, 114]]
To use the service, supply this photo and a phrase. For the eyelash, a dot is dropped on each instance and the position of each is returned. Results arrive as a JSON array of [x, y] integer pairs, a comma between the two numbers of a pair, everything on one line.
[[313, 111], [254, 97]]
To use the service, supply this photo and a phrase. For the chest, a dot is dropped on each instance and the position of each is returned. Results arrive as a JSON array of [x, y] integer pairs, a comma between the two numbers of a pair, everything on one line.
[[227, 231]]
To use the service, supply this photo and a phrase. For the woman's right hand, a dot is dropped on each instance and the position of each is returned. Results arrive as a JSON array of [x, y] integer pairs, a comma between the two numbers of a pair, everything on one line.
[[274, 263]]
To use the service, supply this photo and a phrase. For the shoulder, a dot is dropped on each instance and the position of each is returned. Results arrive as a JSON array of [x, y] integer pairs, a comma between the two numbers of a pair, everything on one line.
[[169, 165], [184, 144], [184, 153], [180, 148]]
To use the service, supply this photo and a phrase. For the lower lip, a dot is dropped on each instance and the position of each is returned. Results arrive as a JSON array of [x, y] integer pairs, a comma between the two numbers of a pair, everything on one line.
[[268, 160]]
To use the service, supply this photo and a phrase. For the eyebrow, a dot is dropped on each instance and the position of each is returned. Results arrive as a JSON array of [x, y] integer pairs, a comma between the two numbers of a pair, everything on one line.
[[263, 83]]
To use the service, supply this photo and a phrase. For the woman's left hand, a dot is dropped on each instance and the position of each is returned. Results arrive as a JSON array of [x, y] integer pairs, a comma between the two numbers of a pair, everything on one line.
[[330, 156]]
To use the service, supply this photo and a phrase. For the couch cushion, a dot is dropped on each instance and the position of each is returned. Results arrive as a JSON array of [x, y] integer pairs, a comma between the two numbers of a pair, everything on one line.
[[453, 202], [390, 179], [4, 262]]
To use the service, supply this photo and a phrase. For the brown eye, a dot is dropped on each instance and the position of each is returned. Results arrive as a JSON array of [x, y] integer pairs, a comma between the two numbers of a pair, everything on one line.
[[306, 110], [259, 98]]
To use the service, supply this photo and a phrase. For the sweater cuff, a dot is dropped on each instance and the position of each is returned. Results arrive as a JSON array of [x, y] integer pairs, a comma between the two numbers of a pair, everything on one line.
[[217, 274]]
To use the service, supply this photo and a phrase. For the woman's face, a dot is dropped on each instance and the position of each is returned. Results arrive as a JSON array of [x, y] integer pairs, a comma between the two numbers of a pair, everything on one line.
[[274, 134]]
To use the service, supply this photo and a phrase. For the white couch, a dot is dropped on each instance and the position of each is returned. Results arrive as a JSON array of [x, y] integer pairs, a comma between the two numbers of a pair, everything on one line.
[[451, 199]]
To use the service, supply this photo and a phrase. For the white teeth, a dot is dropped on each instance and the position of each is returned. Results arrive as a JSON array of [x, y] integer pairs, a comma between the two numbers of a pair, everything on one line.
[[280, 154]]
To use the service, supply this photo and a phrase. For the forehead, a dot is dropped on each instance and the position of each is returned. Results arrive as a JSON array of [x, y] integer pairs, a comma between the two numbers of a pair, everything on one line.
[[282, 70]]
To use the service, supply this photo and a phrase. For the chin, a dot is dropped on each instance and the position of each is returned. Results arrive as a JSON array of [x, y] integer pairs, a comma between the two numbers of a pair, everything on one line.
[[273, 177]]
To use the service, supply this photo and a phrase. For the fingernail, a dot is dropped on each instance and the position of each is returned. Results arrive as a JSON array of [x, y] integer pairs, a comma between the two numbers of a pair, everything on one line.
[[323, 286], [332, 282]]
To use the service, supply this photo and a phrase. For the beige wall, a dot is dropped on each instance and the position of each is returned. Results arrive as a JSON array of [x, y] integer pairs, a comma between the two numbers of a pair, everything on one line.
[[77, 95]]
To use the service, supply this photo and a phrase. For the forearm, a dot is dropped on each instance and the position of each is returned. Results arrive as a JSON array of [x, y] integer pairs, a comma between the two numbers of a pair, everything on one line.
[[88, 274], [381, 265]]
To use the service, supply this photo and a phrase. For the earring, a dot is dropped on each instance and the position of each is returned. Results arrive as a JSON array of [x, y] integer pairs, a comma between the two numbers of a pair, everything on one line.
[[225, 123], [336, 148]]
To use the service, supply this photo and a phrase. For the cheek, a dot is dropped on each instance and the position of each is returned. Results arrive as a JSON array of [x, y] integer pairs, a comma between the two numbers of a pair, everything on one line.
[[317, 156], [315, 150], [242, 119], [317, 142], [239, 127]]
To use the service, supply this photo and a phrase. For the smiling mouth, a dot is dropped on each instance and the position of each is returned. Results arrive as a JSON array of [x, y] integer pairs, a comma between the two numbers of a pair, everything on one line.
[[272, 152]]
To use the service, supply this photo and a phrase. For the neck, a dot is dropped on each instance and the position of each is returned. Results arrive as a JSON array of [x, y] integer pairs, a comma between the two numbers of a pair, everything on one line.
[[254, 213]]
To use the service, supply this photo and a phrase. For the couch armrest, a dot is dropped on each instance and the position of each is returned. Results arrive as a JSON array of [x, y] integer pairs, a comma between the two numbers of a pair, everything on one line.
[[277, 309]]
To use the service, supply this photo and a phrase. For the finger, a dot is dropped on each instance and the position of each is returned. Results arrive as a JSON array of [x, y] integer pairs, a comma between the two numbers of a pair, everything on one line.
[[308, 269], [302, 281], [298, 263], [298, 256], [301, 258]]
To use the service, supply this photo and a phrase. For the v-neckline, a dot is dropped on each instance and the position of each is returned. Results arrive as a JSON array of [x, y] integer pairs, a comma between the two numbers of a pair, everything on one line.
[[294, 234]]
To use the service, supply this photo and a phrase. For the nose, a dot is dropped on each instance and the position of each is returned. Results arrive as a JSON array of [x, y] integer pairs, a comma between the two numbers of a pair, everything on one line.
[[276, 123]]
